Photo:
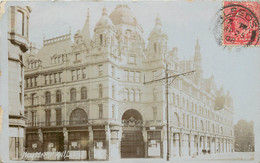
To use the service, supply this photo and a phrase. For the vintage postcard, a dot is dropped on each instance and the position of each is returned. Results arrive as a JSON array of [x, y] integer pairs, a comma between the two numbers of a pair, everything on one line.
[[130, 81]]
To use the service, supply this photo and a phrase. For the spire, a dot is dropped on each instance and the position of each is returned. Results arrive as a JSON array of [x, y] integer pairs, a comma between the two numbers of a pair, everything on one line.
[[104, 11], [158, 20], [85, 32]]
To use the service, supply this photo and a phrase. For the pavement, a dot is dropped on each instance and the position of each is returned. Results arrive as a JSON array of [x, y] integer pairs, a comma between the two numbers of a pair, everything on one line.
[[235, 157]]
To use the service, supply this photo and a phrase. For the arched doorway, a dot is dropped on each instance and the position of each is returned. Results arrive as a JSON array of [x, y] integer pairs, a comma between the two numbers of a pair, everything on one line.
[[78, 136], [132, 144]]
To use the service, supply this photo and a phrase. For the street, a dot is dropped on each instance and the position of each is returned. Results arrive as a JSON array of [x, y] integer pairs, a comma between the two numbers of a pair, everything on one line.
[[223, 157]]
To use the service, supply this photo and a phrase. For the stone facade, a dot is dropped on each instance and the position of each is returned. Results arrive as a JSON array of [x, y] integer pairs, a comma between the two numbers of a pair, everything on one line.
[[87, 97], [18, 44]]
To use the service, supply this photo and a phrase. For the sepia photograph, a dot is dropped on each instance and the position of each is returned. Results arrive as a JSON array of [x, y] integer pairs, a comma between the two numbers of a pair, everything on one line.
[[130, 81]]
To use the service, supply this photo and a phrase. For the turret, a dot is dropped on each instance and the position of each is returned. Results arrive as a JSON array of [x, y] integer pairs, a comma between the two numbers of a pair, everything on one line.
[[105, 34], [157, 45]]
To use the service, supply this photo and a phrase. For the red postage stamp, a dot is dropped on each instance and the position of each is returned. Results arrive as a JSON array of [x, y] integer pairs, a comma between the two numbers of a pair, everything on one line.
[[241, 23]]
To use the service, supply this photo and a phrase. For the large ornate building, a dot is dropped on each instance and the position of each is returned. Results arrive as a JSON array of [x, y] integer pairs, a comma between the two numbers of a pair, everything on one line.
[[87, 97]]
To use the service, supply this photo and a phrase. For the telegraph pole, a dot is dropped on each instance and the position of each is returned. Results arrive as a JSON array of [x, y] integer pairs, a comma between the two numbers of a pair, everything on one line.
[[166, 79]]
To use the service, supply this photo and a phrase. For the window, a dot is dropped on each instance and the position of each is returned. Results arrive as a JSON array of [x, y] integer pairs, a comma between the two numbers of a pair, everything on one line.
[[154, 47], [83, 73], [58, 96], [192, 119], [137, 95], [35, 81], [188, 121], [131, 95], [55, 78], [34, 99], [100, 106], [27, 82], [101, 39], [20, 23], [100, 70], [100, 90], [58, 116], [46, 80], [27, 26], [132, 59], [59, 76], [47, 97], [125, 75], [178, 100], [126, 94], [73, 94], [78, 74], [83, 93], [183, 101], [47, 117], [73, 75], [154, 113], [50, 79], [77, 57], [137, 76], [131, 76], [33, 118], [31, 83], [113, 91]]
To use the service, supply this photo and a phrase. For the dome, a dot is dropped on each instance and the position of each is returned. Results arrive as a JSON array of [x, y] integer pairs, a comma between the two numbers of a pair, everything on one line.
[[104, 21], [123, 15]]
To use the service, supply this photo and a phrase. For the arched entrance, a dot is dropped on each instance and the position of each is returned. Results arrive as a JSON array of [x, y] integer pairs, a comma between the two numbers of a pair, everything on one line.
[[132, 144], [78, 136]]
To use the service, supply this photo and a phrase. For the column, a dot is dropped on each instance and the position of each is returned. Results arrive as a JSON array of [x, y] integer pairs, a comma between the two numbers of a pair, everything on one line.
[[108, 141], [163, 142], [40, 143], [91, 144], [209, 145], [65, 141], [144, 132], [180, 143], [192, 151]]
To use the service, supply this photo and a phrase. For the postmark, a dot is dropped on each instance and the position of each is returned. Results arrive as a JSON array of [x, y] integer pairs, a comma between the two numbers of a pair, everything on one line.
[[240, 23]]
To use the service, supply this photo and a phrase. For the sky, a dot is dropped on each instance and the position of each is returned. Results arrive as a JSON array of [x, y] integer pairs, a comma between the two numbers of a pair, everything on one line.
[[236, 69]]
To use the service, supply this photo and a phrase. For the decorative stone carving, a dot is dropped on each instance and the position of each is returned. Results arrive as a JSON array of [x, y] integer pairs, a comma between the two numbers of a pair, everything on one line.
[[131, 122]]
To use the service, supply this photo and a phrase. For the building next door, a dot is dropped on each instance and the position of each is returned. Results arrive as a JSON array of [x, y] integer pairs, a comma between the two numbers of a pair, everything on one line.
[[132, 144]]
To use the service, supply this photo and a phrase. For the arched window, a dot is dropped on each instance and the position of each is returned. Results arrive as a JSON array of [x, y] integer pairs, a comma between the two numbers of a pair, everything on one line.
[[137, 95], [73, 94], [100, 90], [78, 116], [176, 121], [47, 97], [58, 96], [126, 93], [131, 95], [83, 93]]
